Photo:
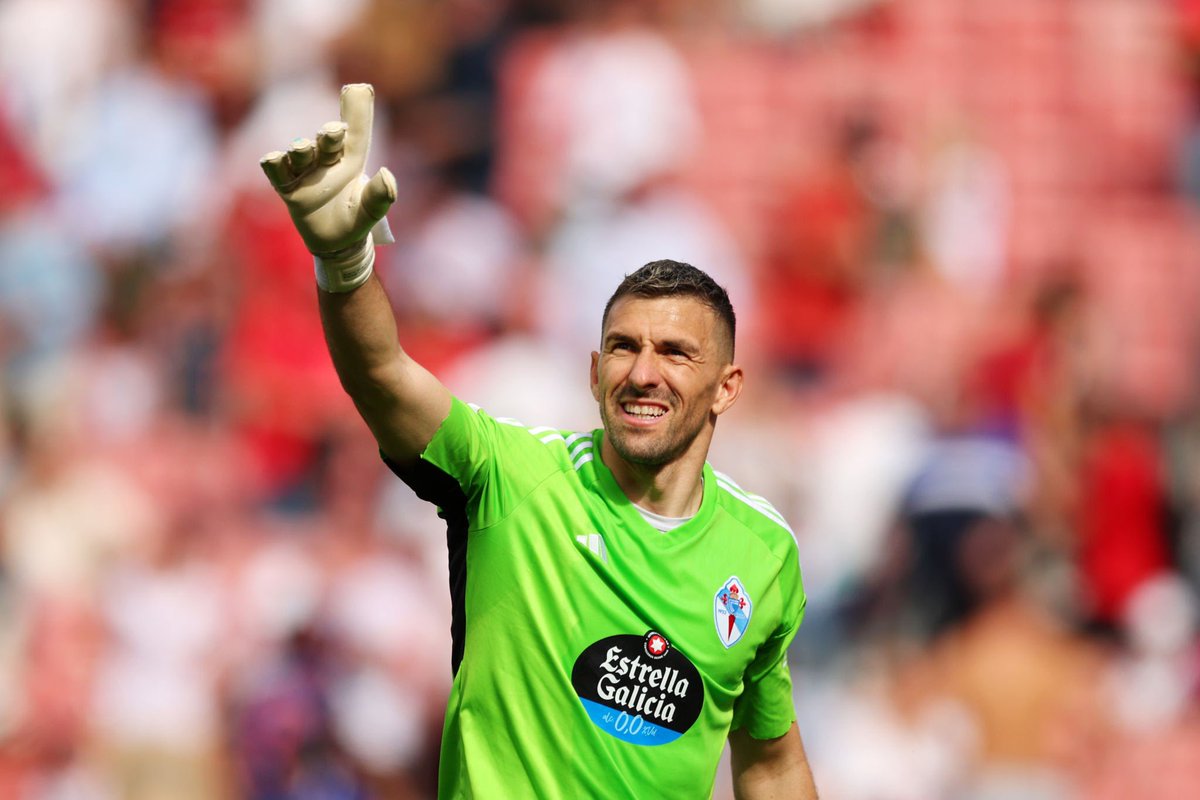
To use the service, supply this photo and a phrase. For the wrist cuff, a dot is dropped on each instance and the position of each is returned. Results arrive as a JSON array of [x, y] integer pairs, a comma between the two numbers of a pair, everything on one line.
[[345, 269]]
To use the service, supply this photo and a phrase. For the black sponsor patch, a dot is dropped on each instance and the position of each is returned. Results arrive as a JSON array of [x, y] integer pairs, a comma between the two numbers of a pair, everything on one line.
[[639, 689]]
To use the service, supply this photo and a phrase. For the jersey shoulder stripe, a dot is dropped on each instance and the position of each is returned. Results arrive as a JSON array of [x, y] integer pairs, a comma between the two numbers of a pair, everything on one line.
[[573, 447], [754, 501]]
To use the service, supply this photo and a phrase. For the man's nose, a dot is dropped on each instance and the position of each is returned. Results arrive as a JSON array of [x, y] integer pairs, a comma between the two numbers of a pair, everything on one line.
[[645, 369]]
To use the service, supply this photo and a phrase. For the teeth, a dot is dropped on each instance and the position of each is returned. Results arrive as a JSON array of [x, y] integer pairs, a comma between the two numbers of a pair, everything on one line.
[[643, 411]]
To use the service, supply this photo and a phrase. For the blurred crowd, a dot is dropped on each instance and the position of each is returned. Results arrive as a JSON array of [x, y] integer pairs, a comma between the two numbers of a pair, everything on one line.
[[963, 243]]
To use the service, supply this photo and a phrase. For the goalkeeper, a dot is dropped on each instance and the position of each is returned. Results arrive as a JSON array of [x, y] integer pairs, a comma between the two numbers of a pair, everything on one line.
[[620, 608]]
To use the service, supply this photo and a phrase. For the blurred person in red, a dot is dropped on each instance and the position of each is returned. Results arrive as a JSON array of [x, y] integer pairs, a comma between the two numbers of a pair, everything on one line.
[[1101, 498], [813, 278], [271, 345], [1123, 512]]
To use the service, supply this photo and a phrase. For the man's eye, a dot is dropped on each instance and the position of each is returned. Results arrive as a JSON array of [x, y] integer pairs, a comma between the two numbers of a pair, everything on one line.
[[622, 347]]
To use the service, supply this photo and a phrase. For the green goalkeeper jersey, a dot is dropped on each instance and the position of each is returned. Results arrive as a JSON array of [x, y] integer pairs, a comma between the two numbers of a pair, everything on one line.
[[594, 655]]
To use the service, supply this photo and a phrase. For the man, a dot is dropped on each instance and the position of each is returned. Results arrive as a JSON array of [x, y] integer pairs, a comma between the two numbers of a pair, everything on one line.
[[590, 572]]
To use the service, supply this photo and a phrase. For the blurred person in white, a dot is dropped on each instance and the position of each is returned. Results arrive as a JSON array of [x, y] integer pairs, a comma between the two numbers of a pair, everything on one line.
[[852, 464], [69, 513], [650, 457], [1151, 687], [156, 712], [456, 271], [966, 209], [53, 54], [386, 607], [143, 142], [585, 252], [465, 290], [611, 121], [1153, 682], [613, 99]]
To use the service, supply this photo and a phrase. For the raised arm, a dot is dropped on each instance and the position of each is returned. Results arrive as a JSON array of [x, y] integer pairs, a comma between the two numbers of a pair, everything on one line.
[[335, 209], [770, 769]]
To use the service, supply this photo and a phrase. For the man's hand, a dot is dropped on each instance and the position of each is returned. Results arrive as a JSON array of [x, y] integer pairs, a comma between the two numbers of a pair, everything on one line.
[[333, 205]]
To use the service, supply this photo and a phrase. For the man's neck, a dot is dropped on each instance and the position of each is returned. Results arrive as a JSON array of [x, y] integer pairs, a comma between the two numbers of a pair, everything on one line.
[[670, 490]]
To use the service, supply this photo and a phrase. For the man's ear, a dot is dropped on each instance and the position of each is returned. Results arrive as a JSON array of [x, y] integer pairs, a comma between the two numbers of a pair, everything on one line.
[[594, 378], [728, 390]]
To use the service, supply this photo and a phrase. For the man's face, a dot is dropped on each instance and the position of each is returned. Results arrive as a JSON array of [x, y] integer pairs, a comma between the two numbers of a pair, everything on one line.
[[662, 375]]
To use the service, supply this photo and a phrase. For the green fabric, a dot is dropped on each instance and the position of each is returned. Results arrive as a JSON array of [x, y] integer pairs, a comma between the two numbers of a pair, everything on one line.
[[559, 562]]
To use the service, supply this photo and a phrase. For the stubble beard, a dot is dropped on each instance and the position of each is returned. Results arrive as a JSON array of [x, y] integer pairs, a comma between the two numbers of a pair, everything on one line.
[[655, 450]]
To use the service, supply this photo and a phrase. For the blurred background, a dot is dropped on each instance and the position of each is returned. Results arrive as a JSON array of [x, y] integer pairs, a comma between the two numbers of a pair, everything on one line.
[[962, 240]]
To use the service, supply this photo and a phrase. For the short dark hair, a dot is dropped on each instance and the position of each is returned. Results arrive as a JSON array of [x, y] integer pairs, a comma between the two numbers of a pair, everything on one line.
[[667, 278]]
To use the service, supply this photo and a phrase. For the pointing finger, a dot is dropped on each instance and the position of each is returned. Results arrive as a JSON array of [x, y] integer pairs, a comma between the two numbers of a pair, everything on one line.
[[358, 112], [330, 141]]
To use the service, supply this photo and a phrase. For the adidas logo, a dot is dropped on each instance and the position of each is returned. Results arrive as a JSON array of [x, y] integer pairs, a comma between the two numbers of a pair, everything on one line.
[[595, 543]]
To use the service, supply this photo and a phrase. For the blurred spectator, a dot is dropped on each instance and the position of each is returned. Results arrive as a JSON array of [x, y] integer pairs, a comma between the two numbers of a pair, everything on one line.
[[819, 259], [1151, 686], [273, 346], [53, 56], [150, 147], [280, 726], [1123, 508], [858, 459], [452, 121], [50, 294], [966, 211], [457, 272], [595, 247], [968, 476], [156, 703], [49, 291], [595, 112], [67, 519], [209, 44], [1027, 685]]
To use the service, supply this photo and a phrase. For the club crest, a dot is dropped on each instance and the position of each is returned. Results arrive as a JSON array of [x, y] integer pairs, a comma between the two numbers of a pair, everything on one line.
[[731, 611]]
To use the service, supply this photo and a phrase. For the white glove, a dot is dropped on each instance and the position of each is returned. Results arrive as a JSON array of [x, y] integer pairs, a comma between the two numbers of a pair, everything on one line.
[[333, 204]]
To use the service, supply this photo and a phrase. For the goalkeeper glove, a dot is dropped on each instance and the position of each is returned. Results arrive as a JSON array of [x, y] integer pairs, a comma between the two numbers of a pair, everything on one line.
[[337, 210]]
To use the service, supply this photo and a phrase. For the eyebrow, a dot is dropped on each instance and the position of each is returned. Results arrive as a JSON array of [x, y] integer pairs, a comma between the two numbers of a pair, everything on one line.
[[617, 338], [679, 344], [682, 345]]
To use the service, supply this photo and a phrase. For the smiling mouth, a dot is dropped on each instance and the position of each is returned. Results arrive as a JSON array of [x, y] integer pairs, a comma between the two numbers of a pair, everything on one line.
[[643, 411]]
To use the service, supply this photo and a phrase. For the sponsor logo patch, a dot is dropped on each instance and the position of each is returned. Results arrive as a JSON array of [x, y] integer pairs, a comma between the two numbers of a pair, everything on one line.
[[639, 689], [731, 611]]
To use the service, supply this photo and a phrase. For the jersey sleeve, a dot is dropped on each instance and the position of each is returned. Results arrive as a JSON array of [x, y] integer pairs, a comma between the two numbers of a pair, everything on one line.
[[494, 462], [765, 708]]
